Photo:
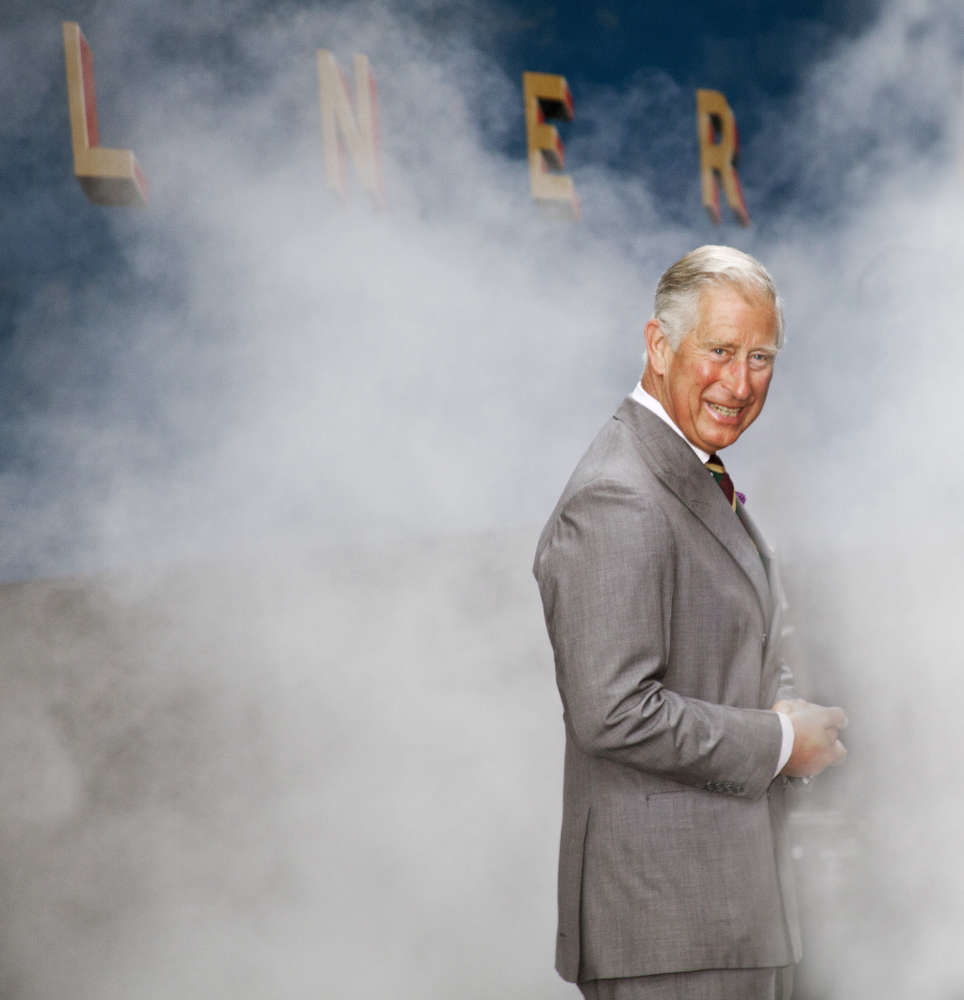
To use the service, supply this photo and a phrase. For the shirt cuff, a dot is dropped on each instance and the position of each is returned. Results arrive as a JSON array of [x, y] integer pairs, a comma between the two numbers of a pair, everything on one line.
[[786, 747]]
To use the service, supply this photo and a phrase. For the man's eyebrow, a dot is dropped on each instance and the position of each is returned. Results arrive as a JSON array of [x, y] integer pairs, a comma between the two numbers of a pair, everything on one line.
[[731, 345]]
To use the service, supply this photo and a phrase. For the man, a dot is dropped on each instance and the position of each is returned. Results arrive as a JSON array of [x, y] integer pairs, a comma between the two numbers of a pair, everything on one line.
[[664, 610]]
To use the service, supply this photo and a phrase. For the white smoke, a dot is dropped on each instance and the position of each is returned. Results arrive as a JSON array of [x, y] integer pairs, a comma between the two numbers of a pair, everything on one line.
[[303, 739]]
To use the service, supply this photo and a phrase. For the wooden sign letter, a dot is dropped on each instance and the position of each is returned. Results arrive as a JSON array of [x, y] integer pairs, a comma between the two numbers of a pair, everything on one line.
[[719, 145], [108, 176], [547, 96], [358, 130]]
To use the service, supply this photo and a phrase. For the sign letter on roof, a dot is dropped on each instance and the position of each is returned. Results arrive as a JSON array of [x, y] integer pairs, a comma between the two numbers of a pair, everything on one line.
[[357, 130], [547, 96], [719, 145], [108, 176]]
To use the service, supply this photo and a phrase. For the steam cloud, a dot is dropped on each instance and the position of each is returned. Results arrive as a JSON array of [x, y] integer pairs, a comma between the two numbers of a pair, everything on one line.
[[284, 724]]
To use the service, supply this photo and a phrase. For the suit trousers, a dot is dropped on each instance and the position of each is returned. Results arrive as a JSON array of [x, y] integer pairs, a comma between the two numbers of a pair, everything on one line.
[[707, 984]]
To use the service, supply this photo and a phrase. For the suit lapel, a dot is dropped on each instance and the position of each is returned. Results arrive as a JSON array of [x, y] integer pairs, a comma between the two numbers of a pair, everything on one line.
[[765, 553], [675, 464]]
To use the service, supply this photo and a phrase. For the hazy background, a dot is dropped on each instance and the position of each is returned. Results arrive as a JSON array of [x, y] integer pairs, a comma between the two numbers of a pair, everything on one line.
[[278, 715]]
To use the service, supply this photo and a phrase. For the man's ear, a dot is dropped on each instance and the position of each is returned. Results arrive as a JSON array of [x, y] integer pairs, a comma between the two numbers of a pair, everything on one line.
[[658, 350]]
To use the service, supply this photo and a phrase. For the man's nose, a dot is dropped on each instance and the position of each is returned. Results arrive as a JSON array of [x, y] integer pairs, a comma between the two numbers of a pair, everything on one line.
[[738, 378]]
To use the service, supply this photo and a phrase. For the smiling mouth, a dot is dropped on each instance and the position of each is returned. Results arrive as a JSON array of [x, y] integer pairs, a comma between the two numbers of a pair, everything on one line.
[[726, 411]]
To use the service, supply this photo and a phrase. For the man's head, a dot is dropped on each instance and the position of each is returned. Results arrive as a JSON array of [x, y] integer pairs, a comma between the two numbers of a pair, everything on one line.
[[712, 342]]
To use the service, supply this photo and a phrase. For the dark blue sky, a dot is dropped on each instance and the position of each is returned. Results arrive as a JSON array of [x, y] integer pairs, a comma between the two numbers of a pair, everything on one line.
[[746, 49]]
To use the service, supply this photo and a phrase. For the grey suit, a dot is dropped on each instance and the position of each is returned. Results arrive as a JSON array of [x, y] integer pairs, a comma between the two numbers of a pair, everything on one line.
[[664, 611]]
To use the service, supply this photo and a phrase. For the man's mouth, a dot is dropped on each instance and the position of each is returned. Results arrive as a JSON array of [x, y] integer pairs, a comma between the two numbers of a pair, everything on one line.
[[726, 411]]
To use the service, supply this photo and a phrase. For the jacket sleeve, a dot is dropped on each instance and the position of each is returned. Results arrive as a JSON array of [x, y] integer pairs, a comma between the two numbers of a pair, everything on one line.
[[606, 570]]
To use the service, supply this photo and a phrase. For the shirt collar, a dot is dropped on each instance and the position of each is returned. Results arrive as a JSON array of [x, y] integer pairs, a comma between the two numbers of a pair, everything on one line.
[[655, 406]]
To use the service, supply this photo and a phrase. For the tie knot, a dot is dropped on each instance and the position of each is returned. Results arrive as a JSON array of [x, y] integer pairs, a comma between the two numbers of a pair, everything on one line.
[[722, 477]]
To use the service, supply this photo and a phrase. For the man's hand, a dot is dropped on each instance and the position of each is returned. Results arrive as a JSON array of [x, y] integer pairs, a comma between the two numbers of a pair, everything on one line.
[[815, 737]]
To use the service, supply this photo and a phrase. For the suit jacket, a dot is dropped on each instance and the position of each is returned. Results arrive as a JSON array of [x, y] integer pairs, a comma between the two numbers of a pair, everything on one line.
[[664, 612]]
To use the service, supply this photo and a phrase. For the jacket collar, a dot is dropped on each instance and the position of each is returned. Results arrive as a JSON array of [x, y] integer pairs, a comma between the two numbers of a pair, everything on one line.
[[677, 467]]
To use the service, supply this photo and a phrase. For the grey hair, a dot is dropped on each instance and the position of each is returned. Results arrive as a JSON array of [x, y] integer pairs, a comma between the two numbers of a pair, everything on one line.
[[677, 304]]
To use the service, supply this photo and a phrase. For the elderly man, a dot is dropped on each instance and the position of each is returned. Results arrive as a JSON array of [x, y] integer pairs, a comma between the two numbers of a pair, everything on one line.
[[664, 609]]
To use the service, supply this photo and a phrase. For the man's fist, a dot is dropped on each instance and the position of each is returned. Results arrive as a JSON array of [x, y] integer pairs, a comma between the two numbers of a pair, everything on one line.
[[815, 737]]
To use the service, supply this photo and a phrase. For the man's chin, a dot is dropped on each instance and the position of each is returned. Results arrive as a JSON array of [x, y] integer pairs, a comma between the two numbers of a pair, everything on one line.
[[716, 437], [719, 441]]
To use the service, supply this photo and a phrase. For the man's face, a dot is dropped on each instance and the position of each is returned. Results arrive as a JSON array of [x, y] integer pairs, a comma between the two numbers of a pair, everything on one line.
[[715, 384]]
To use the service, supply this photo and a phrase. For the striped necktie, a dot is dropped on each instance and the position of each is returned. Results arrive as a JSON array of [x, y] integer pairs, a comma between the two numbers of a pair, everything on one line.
[[722, 477]]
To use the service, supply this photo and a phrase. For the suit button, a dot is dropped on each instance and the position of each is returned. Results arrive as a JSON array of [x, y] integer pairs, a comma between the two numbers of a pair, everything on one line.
[[763, 638]]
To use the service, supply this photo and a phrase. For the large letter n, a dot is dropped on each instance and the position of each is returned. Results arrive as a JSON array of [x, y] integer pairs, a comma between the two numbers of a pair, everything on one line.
[[339, 124]]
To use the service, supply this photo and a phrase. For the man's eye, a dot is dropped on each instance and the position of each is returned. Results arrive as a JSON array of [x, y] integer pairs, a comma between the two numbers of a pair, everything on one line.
[[719, 351]]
